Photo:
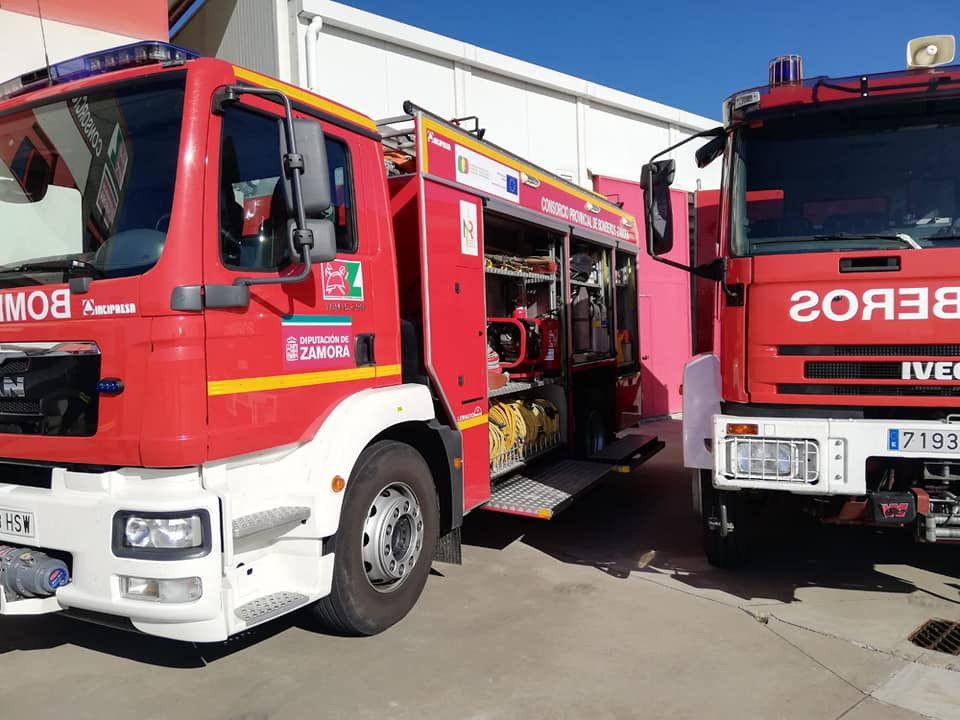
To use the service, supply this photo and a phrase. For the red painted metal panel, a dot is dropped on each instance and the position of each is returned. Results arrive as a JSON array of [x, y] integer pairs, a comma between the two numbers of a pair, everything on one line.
[[258, 398], [707, 247], [454, 320], [455, 158], [159, 419], [822, 306]]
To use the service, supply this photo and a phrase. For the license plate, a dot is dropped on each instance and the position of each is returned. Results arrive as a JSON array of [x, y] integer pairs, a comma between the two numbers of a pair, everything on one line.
[[915, 440], [16, 522]]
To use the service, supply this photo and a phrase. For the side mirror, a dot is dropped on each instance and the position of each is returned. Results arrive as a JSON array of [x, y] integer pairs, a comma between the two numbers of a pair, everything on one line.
[[324, 247], [710, 151], [324, 241], [655, 179], [315, 178]]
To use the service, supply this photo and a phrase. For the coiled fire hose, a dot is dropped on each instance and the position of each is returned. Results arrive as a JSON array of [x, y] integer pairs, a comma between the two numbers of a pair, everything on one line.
[[520, 422]]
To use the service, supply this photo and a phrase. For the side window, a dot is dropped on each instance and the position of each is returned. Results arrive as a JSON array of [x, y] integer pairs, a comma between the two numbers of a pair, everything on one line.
[[253, 212], [253, 209], [341, 194]]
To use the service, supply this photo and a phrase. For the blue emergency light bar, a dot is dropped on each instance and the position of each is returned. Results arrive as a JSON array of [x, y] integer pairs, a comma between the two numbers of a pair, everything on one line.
[[104, 61]]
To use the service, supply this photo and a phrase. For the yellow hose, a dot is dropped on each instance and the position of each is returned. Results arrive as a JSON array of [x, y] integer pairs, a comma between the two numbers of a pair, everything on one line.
[[521, 422]]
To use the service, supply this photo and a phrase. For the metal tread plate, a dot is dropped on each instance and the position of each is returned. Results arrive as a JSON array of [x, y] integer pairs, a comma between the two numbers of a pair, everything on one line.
[[625, 448], [269, 519], [546, 490], [270, 606]]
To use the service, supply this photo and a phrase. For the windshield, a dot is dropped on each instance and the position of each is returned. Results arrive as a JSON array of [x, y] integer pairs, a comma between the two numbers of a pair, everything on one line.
[[86, 182], [880, 177]]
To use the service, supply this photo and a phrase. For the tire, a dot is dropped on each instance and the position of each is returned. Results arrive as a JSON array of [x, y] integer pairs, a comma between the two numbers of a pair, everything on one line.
[[733, 549], [384, 545], [593, 436]]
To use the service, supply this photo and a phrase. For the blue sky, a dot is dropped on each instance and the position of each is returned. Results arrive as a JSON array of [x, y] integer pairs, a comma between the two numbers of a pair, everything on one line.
[[683, 53]]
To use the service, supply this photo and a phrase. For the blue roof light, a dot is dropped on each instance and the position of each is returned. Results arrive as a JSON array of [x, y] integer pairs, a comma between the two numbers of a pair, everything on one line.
[[104, 61], [786, 70]]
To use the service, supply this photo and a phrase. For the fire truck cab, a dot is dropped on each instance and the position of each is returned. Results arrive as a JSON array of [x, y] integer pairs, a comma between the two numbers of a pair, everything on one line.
[[259, 353], [835, 383]]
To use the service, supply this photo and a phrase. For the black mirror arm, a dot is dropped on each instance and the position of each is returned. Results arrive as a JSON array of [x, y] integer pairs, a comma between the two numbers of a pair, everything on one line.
[[648, 196], [712, 132], [715, 270], [674, 264], [302, 238]]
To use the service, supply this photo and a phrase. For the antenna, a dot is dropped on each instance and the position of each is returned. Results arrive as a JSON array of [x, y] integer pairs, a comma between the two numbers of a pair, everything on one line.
[[43, 38]]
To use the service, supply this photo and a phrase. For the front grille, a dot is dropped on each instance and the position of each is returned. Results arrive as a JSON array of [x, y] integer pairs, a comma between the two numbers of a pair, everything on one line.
[[952, 350], [19, 406], [853, 370], [15, 367], [886, 390]]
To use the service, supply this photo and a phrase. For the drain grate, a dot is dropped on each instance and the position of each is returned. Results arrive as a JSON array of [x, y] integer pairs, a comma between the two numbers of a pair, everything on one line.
[[940, 635]]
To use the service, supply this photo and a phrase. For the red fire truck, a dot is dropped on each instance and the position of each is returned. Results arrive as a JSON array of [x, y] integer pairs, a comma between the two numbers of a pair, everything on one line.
[[258, 352], [836, 381]]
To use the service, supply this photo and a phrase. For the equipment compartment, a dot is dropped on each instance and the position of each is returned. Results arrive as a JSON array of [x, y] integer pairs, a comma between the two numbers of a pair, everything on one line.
[[527, 412]]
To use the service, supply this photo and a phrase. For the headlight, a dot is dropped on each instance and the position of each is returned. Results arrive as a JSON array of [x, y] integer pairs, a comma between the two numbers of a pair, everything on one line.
[[764, 459], [167, 536], [177, 532]]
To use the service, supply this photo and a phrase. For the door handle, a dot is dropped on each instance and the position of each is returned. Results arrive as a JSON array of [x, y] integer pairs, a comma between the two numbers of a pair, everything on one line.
[[870, 264], [363, 349]]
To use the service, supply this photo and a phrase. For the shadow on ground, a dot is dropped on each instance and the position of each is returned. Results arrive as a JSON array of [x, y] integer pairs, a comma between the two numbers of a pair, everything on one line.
[[44, 632], [640, 523], [645, 522]]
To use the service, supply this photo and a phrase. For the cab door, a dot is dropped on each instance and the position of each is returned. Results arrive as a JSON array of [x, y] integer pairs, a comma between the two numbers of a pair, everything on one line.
[[278, 366]]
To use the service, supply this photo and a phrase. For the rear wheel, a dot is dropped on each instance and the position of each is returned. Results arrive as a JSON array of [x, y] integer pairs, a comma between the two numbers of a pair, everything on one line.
[[384, 546], [593, 435], [727, 529]]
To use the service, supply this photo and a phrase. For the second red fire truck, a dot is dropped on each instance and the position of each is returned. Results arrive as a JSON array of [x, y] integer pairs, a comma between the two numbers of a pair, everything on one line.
[[259, 353], [837, 377]]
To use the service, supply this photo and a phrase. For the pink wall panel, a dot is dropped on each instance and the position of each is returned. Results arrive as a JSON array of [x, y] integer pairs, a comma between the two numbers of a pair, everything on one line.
[[664, 303]]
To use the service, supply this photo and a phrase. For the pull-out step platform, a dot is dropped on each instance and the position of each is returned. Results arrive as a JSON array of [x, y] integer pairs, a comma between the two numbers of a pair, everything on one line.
[[630, 450], [542, 492]]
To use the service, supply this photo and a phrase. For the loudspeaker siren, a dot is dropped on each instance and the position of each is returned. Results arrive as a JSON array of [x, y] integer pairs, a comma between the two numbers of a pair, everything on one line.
[[931, 51]]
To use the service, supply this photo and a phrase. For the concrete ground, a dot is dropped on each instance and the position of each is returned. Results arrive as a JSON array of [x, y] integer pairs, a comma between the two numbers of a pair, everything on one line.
[[608, 611]]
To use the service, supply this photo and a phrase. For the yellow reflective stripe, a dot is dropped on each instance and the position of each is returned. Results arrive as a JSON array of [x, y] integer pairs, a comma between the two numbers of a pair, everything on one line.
[[472, 422], [307, 98], [282, 382], [488, 151]]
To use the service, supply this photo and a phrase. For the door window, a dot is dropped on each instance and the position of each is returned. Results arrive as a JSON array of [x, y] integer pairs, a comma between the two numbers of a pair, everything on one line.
[[253, 207]]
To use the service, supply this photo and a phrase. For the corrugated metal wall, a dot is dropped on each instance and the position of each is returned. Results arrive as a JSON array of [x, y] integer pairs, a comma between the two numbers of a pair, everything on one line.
[[241, 31]]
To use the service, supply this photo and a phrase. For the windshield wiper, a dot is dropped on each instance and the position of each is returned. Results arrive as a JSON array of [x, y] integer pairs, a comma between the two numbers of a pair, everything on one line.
[[897, 237], [74, 266]]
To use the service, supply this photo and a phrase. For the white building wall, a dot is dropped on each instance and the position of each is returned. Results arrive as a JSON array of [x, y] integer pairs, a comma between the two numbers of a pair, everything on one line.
[[23, 42], [567, 125]]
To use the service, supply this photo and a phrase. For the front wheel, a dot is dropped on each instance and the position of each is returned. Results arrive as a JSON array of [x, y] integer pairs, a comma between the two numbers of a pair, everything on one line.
[[727, 526], [385, 543]]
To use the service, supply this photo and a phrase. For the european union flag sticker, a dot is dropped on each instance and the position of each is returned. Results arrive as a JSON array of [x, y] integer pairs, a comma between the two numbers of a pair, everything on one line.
[[893, 439], [512, 187]]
